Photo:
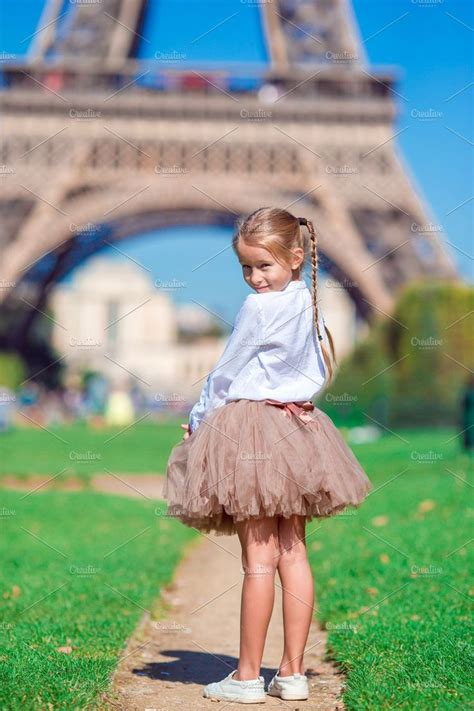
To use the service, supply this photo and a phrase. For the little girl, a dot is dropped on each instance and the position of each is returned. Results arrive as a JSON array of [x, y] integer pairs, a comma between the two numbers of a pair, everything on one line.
[[258, 458]]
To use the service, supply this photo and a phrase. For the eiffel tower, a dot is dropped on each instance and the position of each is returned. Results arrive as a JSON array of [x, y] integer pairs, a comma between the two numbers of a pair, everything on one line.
[[110, 133]]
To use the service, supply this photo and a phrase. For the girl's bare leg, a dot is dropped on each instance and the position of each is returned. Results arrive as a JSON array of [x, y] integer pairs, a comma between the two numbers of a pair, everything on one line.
[[260, 555], [298, 592]]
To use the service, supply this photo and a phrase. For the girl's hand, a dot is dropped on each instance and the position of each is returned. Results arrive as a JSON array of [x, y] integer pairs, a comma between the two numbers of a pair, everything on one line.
[[187, 433]]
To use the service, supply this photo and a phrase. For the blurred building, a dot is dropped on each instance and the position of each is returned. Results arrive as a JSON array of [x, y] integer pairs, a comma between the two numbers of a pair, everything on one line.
[[112, 319]]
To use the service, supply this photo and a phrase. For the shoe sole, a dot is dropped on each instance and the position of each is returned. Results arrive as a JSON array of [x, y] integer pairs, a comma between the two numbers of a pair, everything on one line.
[[237, 699], [289, 696]]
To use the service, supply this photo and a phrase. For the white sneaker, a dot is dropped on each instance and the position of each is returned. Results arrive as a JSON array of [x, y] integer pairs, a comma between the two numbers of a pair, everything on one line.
[[247, 691], [289, 688]]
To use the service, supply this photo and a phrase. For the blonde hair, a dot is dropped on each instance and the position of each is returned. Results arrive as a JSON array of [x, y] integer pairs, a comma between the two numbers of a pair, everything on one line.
[[280, 233]]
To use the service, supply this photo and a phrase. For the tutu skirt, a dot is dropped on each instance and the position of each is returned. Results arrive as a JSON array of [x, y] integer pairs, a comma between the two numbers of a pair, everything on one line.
[[256, 458]]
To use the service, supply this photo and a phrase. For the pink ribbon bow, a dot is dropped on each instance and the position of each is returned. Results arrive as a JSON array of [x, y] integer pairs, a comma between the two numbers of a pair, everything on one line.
[[301, 409]]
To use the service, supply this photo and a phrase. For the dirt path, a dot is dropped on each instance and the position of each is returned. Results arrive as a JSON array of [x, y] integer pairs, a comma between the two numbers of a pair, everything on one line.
[[134, 485], [167, 662], [195, 639]]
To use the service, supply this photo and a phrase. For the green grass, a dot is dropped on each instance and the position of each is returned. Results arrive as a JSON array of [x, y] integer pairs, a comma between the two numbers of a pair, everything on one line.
[[81, 451], [78, 570], [392, 578]]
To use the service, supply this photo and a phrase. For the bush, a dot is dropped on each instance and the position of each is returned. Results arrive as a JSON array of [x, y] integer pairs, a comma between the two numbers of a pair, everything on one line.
[[412, 368], [435, 347]]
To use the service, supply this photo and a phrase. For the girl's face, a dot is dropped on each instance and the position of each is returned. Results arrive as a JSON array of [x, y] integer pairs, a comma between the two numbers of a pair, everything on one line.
[[262, 272]]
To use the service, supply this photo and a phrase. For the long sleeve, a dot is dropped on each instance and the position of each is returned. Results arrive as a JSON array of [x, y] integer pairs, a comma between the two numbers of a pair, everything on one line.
[[242, 345]]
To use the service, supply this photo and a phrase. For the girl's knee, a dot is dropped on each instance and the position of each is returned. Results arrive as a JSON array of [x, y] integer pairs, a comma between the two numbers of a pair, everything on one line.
[[260, 550], [260, 560]]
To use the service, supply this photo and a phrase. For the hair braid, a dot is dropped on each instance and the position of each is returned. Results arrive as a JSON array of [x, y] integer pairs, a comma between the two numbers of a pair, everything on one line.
[[314, 293]]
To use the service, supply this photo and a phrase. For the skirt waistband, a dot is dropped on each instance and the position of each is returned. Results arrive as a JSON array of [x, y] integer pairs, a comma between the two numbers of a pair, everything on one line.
[[300, 408]]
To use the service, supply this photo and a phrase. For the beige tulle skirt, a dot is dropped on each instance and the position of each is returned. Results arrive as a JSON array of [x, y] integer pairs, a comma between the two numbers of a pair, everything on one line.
[[256, 458]]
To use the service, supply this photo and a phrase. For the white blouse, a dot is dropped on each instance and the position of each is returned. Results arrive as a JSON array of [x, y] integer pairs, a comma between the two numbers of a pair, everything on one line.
[[272, 352]]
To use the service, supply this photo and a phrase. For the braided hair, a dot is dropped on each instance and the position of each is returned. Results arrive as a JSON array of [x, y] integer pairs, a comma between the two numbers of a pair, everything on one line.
[[302, 221]]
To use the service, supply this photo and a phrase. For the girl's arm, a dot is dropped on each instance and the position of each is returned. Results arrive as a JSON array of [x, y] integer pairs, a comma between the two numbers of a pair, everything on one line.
[[242, 345]]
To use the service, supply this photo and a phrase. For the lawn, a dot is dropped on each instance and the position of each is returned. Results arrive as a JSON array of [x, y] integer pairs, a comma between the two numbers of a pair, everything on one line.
[[78, 572], [392, 578], [78, 450]]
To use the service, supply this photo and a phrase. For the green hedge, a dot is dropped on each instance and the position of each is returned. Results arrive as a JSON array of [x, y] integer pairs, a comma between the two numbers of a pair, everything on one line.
[[434, 341], [413, 366]]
